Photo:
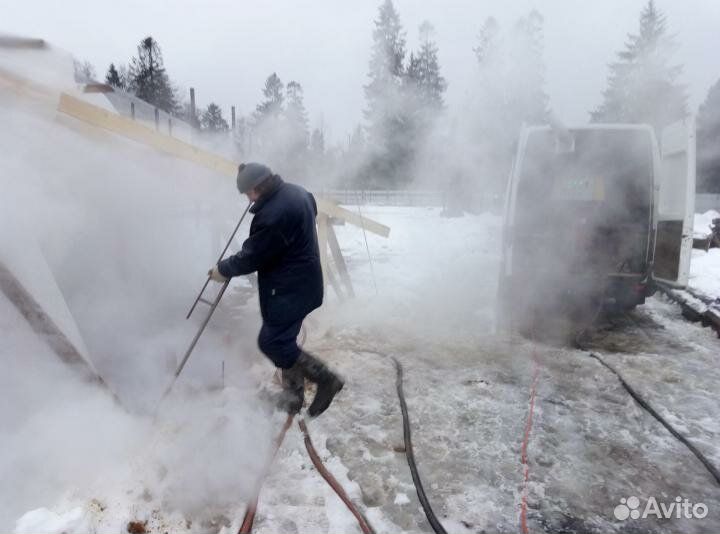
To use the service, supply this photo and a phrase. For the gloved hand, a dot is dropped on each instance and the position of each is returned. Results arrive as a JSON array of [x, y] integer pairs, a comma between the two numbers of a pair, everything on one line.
[[215, 275]]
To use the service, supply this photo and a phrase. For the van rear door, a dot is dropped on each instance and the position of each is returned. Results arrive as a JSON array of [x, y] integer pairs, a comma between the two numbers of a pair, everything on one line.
[[675, 204]]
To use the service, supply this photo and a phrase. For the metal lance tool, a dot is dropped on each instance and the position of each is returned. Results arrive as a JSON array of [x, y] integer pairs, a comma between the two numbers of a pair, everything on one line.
[[222, 254], [186, 357], [213, 305]]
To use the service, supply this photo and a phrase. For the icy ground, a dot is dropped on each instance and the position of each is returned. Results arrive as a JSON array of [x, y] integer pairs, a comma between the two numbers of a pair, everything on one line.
[[427, 299]]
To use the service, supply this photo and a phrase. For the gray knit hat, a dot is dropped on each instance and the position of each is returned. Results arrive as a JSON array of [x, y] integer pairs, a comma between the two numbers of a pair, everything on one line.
[[251, 174]]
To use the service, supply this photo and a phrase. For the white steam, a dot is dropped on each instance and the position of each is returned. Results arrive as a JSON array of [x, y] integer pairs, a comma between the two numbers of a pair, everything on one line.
[[129, 234]]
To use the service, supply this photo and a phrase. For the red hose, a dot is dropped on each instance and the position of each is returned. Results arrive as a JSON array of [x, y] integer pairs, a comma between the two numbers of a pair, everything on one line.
[[247, 523], [526, 435], [334, 484]]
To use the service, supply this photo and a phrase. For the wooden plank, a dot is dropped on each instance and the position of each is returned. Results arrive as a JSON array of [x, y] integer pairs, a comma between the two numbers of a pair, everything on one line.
[[9, 41], [98, 88], [340, 261], [333, 210], [24, 87], [322, 231], [335, 284], [136, 131], [42, 324]]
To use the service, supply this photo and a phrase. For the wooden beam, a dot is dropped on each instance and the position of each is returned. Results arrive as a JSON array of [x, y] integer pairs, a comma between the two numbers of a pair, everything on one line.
[[136, 131], [8, 41], [322, 232], [98, 88], [333, 210], [42, 324], [24, 87], [335, 284], [339, 261]]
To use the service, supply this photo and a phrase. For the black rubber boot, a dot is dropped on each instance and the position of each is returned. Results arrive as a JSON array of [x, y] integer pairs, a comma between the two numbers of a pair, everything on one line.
[[328, 383], [293, 393]]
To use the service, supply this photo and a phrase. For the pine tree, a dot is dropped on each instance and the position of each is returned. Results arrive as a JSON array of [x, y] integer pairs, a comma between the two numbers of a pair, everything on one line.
[[423, 90], [212, 119], [294, 131], [268, 137], [240, 136], [296, 116], [386, 113], [510, 92], [708, 146], [526, 71], [273, 105], [423, 73], [487, 50], [124, 74], [490, 93], [317, 142], [357, 141], [318, 160], [113, 78], [148, 78], [84, 71], [492, 89], [642, 84]]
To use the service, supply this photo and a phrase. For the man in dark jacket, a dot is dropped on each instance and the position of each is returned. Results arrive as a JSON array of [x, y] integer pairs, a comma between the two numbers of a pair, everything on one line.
[[283, 249]]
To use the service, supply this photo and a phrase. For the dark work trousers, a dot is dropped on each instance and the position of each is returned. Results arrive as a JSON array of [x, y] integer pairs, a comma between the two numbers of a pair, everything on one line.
[[279, 342]]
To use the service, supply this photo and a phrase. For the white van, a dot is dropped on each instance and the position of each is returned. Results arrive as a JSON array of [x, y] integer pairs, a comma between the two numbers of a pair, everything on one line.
[[594, 216]]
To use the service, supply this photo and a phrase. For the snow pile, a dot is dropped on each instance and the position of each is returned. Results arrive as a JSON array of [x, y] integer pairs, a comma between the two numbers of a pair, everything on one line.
[[705, 272], [703, 223], [49, 522], [705, 266]]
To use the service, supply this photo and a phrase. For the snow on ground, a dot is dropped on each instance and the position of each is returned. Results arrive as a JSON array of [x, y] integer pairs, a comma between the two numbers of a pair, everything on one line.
[[426, 296], [705, 265], [673, 364], [433, 276], [705, 272], [702, 223], [468, 392]]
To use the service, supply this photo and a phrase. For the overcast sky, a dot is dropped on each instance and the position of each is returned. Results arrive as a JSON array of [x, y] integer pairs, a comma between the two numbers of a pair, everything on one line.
[[226, 49]]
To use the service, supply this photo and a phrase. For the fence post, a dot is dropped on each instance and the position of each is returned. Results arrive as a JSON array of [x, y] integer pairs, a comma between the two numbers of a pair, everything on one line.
[[157, 119], [232, 117], [192, 107], [170, 126], [132, 110]]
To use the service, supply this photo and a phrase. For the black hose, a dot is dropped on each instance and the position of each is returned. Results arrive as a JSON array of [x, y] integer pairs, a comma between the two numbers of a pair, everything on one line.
[[432, 519], [642, 402], [649, 409]]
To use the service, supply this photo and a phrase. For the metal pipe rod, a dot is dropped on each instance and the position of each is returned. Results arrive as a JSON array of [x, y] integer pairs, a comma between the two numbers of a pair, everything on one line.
[[188, 352], [222, 254]]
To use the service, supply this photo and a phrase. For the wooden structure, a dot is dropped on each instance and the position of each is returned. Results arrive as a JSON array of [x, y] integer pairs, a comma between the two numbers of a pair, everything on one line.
[[327, 210], [42, 323], [98, 117]]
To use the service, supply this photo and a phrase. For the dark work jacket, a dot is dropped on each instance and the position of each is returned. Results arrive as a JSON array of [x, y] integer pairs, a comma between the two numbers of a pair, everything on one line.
[[283, 249]]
